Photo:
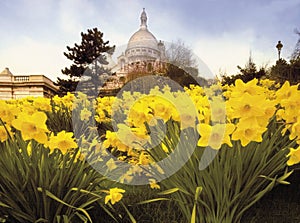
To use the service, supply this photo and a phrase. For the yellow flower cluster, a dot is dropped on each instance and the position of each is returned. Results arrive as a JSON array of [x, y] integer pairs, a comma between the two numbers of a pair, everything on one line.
[[138, 112], [104, 109], [250, 108], [288, 97], [240, 112], [28, 116], [219, 114], [230, 113]]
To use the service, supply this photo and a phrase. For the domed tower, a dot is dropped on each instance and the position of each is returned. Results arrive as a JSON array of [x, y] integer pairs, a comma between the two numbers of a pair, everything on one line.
[[143, 51], [142, 45]]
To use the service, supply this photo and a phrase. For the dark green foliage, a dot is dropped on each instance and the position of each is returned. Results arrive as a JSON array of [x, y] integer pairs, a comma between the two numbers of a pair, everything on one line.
[[39, 186], [296, 52], [246, 74], [280, 71], [66, 85], [91, 48], [283, 71], [288, 71], [279, 205], [87, 59], [184, 77]]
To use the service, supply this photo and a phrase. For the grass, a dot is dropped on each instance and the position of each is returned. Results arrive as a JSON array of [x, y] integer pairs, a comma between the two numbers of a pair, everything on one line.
[[282, 204], [156, 212]]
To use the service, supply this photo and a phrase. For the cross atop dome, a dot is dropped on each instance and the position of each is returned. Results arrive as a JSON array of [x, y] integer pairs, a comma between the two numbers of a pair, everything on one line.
[[143, 19]]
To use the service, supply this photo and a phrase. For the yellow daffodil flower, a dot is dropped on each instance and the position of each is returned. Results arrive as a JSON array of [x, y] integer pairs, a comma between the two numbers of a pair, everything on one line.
[[214, 136], [246, 132], [3, 134], [153, 184], [114, 195], [85, 114], [294, 156], [32, 126], [63, 141]]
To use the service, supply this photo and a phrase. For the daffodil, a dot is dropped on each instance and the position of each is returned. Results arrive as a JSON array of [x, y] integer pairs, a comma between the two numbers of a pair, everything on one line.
[[216, 135], [111, 164], [42, 104], [250, 87], [29, 148], [139, 112], [286, 92], [218, 110], [114, 195], [63, 141], [85, 114], [294, 156], [246, 106], [145, 158], [111, 139], [295, 131], [100, 116], [248, 131], [153, 184], [3, 133], [205, 131], [68, 101], [8, 112], [267, 83], [32, 126]]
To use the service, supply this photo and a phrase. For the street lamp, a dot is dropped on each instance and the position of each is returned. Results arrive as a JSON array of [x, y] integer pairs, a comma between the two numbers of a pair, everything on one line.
[[279, 47]]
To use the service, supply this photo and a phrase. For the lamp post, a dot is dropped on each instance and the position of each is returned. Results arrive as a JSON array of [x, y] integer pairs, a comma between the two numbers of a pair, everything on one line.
[[279, 47]]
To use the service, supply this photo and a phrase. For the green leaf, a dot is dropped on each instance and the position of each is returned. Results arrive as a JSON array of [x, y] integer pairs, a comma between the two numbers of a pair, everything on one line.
[[197, 194], [153, 200], [49, 194], [128, 213], [193, 216], [169, 191]]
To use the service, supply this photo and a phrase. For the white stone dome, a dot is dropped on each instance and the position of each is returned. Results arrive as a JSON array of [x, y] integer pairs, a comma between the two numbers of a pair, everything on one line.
[[142, 45], [142, 38]]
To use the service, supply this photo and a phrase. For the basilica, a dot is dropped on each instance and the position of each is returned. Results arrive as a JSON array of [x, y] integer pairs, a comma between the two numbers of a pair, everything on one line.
[[142, 48], [143, 54]]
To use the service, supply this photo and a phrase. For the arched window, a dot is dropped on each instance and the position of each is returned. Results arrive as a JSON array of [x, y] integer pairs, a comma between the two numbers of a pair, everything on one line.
[[149, 67]]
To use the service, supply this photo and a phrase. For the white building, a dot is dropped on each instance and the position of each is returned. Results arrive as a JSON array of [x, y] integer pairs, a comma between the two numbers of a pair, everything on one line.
[[20, 86], [144, 53], [142, 48]]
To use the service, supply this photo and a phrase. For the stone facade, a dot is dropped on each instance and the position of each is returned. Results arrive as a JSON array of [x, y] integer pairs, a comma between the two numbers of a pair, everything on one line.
[[143, 54], [143, 49], [14, 87]]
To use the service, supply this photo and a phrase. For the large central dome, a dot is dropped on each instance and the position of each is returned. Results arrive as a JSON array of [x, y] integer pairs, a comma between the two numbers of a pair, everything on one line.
[[142, 38], [143, 51], [142, 45]]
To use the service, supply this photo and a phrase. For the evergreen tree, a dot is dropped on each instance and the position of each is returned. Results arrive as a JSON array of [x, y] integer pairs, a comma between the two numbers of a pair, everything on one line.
[[88, 59], [296, 53], [295, 61], [288, 71], [281, 71], [246, 74]]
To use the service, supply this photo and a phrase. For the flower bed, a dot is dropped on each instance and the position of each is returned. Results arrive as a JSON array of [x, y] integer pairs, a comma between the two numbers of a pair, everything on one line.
[[213, 152]]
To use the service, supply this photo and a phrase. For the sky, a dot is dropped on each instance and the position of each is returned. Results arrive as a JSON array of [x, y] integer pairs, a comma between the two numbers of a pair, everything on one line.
[[221, 33]]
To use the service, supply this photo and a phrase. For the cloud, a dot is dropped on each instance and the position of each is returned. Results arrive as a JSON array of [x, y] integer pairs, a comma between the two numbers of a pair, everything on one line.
[[223, 54], [34, 57], [35, 33], [74, 15]]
